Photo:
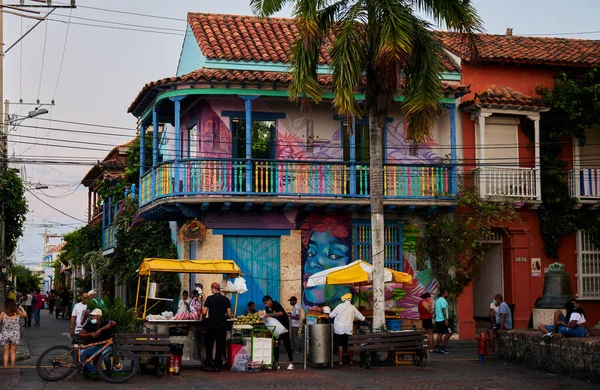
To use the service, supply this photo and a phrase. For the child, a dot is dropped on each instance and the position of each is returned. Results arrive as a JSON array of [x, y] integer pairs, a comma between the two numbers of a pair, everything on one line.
[[11, 331]]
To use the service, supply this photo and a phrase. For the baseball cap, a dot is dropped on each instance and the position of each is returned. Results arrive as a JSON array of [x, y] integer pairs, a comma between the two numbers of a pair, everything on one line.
[[96, 312], [347, 297], [92, 292], [215, 286], [293, 299], [267, 298]]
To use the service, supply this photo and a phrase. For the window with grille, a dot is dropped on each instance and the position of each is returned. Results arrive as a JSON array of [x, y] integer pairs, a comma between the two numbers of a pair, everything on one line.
[[588, 267], [361, 240]]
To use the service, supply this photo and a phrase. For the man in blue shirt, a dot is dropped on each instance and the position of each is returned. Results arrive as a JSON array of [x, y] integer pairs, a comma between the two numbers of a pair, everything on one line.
[[503, 319], [442, 325]]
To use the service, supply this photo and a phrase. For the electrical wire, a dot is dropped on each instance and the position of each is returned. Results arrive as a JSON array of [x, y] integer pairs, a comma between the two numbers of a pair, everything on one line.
[[123, 24], [54, 208], [81, 123], [118, 28], [43, 60], [95, 133], [62, 59], [129, 13]]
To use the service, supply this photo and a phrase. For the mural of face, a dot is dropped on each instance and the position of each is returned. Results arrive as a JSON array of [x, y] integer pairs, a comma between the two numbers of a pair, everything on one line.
[[326, 244]]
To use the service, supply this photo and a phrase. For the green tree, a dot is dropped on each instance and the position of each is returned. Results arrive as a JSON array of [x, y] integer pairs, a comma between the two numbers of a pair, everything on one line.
[[80, 243], [27, 281], [385, 46], [12, 195]]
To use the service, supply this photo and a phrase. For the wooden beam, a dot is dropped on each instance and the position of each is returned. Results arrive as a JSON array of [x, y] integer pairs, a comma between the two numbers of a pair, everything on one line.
[[189, 210], [287, 207], [267, 207], [226, 206], [350, 208], [409, 209], [390, 208], [431, 209], [331, 207], [248, 206], [309, 207], [205, 206]]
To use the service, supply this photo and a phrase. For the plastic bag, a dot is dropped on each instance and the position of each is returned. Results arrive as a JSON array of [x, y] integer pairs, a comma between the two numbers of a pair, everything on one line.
[[279, 328], [240, 362], [239, 285]]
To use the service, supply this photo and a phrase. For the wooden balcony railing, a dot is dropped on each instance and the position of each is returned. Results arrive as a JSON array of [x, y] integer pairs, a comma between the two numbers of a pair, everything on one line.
[[584, 183], [508, 182]]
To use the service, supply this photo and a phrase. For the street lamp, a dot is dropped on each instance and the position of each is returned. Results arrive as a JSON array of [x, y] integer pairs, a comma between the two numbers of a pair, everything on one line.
[[36, 112]]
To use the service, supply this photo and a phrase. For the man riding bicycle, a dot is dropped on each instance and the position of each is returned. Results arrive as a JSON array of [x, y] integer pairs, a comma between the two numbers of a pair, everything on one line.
[[95, 330]]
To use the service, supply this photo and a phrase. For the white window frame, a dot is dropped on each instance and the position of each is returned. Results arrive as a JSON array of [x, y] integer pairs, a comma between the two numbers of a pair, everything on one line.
[[588, 268]]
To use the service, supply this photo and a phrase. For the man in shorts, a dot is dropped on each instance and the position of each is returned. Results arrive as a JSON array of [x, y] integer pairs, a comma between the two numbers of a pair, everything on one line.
[[442, 325]]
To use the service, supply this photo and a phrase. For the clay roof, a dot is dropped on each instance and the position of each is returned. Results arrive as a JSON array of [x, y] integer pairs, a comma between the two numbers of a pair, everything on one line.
[[525, 50], [246, 76], [505, 96], [113, 160], [250, 38]]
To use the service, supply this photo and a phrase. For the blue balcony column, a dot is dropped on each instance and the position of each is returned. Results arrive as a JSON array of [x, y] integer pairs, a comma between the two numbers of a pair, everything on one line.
[[353, 157], [142, 157], [248, 110], [154, 153], [177, 164], [454, 175], [103, 222]]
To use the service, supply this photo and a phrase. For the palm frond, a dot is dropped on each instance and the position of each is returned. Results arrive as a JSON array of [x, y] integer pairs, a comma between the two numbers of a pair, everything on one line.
[[422, 82], [458, 15], [265, 8]]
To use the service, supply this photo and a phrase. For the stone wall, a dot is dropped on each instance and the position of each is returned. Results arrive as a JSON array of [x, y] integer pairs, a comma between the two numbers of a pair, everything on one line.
[[575, 357]]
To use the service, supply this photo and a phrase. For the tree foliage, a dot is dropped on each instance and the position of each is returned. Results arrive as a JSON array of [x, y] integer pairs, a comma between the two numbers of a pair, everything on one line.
[[79, 243], [453, 242], [575, 107], [12, 194], [27, 281]]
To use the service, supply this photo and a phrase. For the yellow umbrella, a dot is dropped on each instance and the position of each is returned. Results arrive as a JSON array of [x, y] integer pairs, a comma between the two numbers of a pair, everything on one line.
[[356, 272]]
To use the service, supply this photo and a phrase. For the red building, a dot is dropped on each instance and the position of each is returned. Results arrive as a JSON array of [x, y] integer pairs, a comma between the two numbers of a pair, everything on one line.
[[505, 164]]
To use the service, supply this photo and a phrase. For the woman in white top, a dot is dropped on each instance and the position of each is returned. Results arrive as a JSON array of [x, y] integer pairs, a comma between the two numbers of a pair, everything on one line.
[[571, 325]]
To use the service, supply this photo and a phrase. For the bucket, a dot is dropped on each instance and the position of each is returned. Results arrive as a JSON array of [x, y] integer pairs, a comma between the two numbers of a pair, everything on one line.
[[393, 325]]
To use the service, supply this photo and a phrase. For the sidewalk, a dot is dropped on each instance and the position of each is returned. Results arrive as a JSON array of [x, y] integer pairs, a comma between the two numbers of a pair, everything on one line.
[[458, 370]]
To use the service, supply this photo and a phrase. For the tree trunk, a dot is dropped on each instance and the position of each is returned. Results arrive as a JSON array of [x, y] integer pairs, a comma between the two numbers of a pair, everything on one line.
[[377, 222]]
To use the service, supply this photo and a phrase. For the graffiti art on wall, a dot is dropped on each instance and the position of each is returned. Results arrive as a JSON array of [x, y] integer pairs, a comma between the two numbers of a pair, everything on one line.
[[399, 149], [326, 243]]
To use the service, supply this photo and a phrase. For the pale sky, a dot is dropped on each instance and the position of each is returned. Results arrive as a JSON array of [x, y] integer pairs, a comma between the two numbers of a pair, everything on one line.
[[104, 69]]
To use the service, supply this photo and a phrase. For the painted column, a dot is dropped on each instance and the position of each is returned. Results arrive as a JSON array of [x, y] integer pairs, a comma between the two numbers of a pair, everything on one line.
[[538, 182], [452, 108], [154, 153], [142, 158], [89, 205], [103, 222], [177, 164], [481, 153], [353, 157], [248, 110], [576, 169]]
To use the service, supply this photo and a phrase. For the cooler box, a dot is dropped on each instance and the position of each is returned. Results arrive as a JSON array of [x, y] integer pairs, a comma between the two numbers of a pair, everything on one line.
[[261, 349], [232, 350], [393, 325]]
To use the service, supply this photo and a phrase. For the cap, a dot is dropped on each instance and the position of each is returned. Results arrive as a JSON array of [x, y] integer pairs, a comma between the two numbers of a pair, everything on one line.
[[92, 292], [347, 297], [293, 299], [96, 312], [215, 286], [267, 298]]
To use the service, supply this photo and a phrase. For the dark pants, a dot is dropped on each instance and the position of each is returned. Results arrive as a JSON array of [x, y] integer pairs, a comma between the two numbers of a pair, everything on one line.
[[285, 339], [211, 337], [29, 311], [36, 314]]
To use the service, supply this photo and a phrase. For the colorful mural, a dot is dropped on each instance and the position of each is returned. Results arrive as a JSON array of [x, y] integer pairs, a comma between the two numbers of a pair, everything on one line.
[[326, 243], [399, 150]]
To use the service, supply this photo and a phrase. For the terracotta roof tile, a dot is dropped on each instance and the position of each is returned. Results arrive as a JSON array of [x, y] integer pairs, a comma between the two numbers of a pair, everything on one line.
[[238, 76], [503, 95], [250, 38], [525, 50]]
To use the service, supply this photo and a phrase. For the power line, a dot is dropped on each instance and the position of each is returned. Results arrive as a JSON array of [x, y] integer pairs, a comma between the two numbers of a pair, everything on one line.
[[131, 13], [565, 33], [43, 60], [54, 208], [118, 28], [81, 123], [123, 24], [62, 59], [52, 129]]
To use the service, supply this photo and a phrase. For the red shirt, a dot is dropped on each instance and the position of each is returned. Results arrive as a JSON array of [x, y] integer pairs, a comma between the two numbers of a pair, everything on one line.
[[39, 301], [423, 313]]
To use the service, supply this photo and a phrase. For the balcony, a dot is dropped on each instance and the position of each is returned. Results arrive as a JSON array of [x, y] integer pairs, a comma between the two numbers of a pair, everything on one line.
[[506, 182], [292, 181], [584, 184]]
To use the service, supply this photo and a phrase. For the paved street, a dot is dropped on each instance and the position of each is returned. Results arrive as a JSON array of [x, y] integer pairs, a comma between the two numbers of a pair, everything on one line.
[[459, 370]]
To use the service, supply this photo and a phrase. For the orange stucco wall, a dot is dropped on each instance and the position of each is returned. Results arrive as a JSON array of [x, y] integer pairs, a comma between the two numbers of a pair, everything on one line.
[[523, 241]]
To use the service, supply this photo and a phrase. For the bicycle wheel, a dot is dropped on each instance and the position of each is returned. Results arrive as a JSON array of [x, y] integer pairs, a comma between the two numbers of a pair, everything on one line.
[[55, 363], [117, 366]]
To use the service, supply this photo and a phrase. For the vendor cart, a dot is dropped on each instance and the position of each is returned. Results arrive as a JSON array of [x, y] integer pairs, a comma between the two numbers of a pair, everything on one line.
[[186, 332]]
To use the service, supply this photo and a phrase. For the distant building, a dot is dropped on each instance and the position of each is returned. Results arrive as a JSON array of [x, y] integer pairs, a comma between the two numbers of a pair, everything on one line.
[[46, 270]]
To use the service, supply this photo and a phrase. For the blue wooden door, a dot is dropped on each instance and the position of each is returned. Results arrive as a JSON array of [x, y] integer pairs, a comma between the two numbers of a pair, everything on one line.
[[258, 258]]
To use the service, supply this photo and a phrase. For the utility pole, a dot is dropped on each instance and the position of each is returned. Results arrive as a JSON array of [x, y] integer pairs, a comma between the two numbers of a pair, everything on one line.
[[5, 123]]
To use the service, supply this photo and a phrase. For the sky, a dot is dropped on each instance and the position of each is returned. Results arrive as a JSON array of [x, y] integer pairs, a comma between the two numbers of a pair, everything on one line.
[[93, 74]]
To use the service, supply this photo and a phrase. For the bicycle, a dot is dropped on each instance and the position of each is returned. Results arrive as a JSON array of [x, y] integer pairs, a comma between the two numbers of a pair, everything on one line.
[[112, 365]]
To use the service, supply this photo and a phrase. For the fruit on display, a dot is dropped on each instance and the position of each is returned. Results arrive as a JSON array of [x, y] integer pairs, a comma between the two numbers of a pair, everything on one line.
[[249, 319]]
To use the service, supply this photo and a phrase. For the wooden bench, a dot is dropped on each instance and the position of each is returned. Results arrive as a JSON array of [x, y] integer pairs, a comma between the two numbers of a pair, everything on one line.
[[413, 343], [152, 349]]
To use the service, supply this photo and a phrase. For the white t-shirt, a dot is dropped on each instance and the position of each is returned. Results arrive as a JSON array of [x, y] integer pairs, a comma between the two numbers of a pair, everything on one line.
[[344, 315], [78, 311], [295, 323], [580, 318], [28, 300], [182, 307], [494, 307]]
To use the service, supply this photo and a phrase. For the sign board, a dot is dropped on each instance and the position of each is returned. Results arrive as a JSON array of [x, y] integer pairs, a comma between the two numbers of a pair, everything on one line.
[[192, 231], [536, 266], [521, 259]]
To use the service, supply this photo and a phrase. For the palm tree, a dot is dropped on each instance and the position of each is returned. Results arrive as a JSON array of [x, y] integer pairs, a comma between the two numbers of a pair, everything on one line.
[[384, 47]]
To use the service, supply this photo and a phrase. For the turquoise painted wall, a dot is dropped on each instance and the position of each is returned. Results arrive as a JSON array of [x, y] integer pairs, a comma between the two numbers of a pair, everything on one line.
[[191, 57]]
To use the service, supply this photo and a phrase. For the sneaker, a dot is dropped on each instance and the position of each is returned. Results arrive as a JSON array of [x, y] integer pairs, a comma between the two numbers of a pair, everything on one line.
[[548, 336], [443, 351], [276, 366], [290, 366]]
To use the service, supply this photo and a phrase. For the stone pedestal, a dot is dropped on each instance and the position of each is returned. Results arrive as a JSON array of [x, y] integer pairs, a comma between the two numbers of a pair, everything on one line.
[[544, 317]]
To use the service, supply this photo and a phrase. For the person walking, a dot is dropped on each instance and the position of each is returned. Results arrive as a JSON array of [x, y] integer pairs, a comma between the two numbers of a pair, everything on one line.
[[11, 331], [425, 315], [27, 301], [442, 324], [275, 310], [77, 315], [217, 309], [295, 324], [38, 304], [343, 324]]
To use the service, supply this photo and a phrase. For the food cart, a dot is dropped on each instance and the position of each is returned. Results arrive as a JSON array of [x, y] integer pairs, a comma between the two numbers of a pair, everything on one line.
[[357, 273], [186, 332]]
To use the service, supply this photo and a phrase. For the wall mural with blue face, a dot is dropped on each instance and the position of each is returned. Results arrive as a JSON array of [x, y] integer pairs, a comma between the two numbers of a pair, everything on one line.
[[326, 243]]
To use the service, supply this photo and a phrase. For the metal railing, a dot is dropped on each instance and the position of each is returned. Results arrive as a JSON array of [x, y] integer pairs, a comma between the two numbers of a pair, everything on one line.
[[508, 182], [584, 183]]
